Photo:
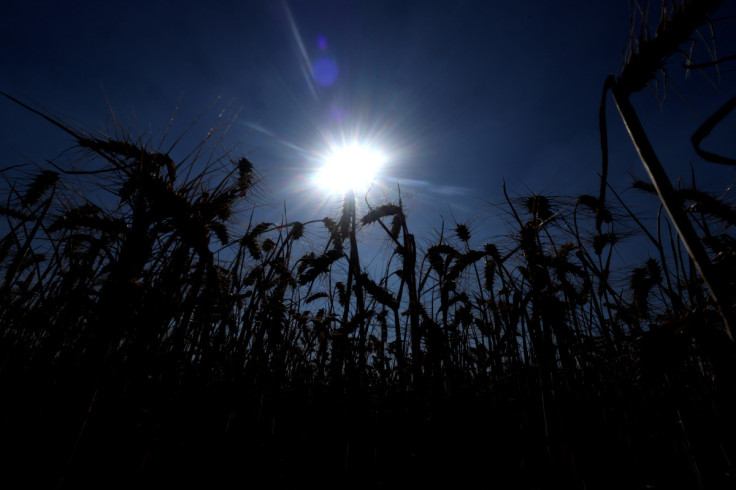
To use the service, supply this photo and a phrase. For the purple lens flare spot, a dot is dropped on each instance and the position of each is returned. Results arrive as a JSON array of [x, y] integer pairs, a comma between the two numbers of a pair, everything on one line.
[[322, 42], [336, 114], [324, 71]]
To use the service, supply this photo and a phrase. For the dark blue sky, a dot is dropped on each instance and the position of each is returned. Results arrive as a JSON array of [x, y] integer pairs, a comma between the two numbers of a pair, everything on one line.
[[461, 95]]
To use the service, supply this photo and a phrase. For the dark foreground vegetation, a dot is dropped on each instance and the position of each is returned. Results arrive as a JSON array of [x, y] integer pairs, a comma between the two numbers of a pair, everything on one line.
[[148, 337]]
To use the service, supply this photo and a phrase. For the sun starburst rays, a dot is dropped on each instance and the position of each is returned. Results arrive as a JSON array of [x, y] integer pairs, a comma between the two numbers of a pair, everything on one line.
[[352, 166]]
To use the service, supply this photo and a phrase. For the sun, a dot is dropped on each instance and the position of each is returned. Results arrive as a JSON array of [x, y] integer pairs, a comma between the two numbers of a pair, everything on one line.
[[353, 166]]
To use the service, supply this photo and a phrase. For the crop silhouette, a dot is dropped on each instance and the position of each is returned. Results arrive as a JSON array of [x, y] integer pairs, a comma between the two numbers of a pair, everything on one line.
[[148, 338]]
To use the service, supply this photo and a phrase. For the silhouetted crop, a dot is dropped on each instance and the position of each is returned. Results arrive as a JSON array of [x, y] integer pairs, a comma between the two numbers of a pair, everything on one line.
[[148, 337]]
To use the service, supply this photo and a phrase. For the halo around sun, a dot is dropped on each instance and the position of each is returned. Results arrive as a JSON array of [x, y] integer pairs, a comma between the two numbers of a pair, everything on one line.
[[348, 167]]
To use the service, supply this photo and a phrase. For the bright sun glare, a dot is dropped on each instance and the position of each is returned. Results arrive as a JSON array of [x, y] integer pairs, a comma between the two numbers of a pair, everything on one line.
[[354, 166]]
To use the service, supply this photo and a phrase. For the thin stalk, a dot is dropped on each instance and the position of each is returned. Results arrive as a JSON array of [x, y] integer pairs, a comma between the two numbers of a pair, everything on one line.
[[672, 204]]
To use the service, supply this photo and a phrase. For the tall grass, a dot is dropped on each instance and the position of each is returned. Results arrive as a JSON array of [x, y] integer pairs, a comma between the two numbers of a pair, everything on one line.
[[149, 337]]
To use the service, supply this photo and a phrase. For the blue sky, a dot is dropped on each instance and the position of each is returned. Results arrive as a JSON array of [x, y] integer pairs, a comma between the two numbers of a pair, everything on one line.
[[461, 95]]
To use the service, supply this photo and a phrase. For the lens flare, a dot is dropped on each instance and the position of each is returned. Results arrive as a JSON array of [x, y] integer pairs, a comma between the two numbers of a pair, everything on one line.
[[324, 71], [322, 42]]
